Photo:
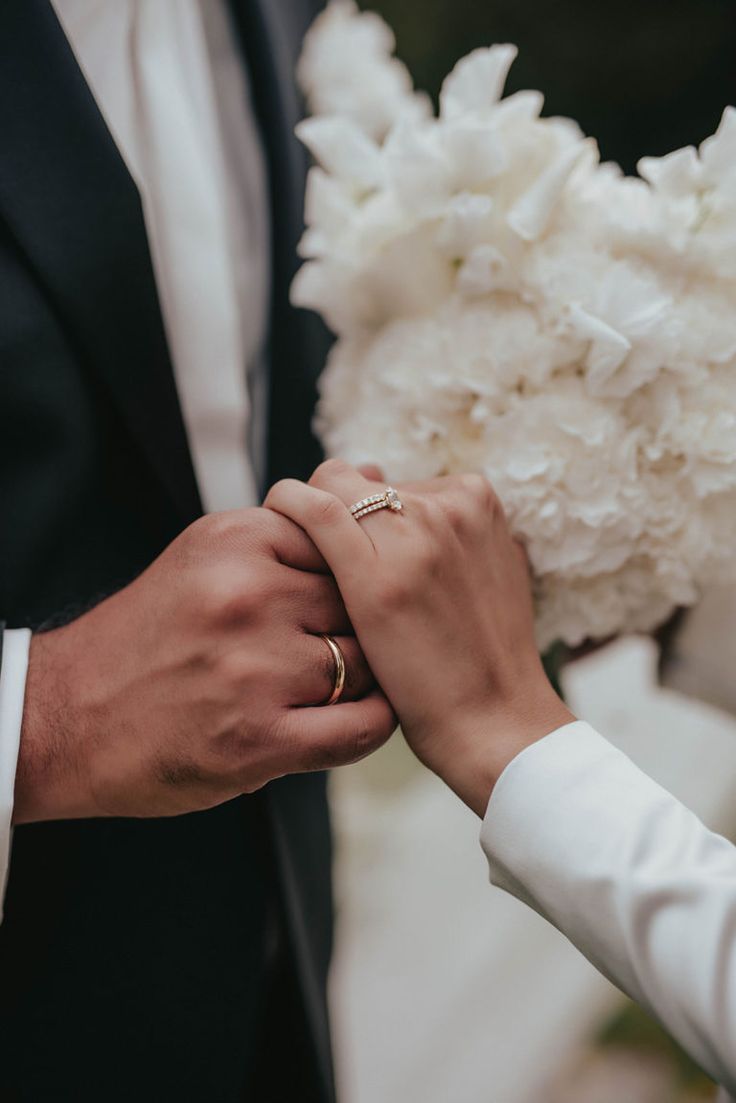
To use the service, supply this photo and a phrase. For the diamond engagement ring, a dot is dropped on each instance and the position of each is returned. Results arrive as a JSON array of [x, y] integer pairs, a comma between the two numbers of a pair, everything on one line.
[[389, 499]]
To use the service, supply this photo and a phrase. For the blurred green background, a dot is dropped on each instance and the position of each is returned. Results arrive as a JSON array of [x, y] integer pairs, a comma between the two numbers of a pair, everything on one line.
[[643, 77]]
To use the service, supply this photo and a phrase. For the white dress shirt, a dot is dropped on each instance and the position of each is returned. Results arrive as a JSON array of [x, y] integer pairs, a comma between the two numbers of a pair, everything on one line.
[[576, 831], [12, 687], [170, 83]]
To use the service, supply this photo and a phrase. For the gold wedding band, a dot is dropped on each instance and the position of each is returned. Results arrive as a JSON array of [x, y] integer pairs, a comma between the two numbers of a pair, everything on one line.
[[388, 499], [340, 670]]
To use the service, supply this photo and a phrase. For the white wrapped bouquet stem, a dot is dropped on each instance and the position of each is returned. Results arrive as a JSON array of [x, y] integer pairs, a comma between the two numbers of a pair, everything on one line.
[[505, 303]]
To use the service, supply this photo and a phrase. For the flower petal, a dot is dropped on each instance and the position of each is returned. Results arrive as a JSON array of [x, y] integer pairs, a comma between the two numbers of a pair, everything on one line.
[[476, 83], [531, 213]]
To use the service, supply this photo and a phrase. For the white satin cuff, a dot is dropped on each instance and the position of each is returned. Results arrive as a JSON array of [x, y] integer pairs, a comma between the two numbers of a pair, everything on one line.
[[634, 879], [16, 644]]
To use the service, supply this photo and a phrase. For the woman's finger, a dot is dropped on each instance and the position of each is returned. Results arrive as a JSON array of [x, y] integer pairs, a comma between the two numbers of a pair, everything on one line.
[[328, 522], [344, 481], [348, 484], [371, 472]]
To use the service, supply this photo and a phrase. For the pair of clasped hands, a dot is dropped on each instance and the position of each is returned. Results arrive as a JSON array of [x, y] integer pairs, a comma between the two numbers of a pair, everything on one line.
[[202, 679]]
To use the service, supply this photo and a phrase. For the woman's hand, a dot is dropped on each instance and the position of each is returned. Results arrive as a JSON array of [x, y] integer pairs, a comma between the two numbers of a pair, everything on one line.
[[440, 599]]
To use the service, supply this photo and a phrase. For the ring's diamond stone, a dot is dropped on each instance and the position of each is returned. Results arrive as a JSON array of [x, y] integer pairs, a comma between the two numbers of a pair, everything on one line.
[[394, 502]]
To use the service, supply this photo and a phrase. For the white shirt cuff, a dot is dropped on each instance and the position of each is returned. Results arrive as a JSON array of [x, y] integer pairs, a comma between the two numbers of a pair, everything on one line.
[[16, 644], [514, 830], [576, 831]]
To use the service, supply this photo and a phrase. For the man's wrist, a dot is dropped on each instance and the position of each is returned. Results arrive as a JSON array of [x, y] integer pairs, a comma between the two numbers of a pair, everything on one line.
[[50, 779]]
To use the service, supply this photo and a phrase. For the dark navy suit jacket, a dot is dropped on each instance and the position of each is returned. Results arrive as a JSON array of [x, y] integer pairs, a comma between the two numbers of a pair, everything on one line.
[[131, 954]]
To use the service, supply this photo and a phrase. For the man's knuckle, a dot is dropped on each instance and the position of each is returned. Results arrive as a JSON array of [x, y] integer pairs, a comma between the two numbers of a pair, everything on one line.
[[194, 543], [204, 598], [232, 674], [264, 524], [219, 527], [192, 533], [231, 602], [232, 533]]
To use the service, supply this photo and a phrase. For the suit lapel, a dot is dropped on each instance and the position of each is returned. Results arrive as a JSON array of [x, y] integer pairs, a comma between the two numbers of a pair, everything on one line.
[[75, 212]]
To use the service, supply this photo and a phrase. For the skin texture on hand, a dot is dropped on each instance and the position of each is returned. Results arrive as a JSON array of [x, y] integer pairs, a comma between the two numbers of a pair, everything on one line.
[[441, 602], [200, 681]]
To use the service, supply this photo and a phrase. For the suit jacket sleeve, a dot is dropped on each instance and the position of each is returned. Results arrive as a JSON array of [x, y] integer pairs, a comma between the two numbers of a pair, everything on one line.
[[14, 646], [576, 831]]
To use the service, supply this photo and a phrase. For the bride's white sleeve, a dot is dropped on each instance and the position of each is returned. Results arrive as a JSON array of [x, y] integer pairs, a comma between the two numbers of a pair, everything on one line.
[[631, 876]]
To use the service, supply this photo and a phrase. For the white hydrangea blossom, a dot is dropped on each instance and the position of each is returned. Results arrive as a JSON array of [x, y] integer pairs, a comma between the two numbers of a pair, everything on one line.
[[504, 303]]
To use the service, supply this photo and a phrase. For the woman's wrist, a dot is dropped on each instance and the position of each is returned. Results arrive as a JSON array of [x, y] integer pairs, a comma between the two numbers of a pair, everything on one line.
[[490, 739]]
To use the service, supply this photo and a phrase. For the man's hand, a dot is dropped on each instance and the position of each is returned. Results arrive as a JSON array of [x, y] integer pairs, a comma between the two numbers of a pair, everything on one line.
[[441, 601], [201, 680]]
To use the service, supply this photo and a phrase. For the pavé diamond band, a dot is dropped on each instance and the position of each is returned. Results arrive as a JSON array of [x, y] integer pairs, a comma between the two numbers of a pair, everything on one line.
[[389, 499]]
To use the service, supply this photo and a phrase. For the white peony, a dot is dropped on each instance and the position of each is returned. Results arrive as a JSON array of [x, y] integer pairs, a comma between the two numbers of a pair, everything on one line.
[[504, 303]]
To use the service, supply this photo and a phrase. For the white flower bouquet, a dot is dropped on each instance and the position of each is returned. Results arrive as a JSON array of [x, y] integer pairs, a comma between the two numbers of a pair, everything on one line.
[[505, 303]]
